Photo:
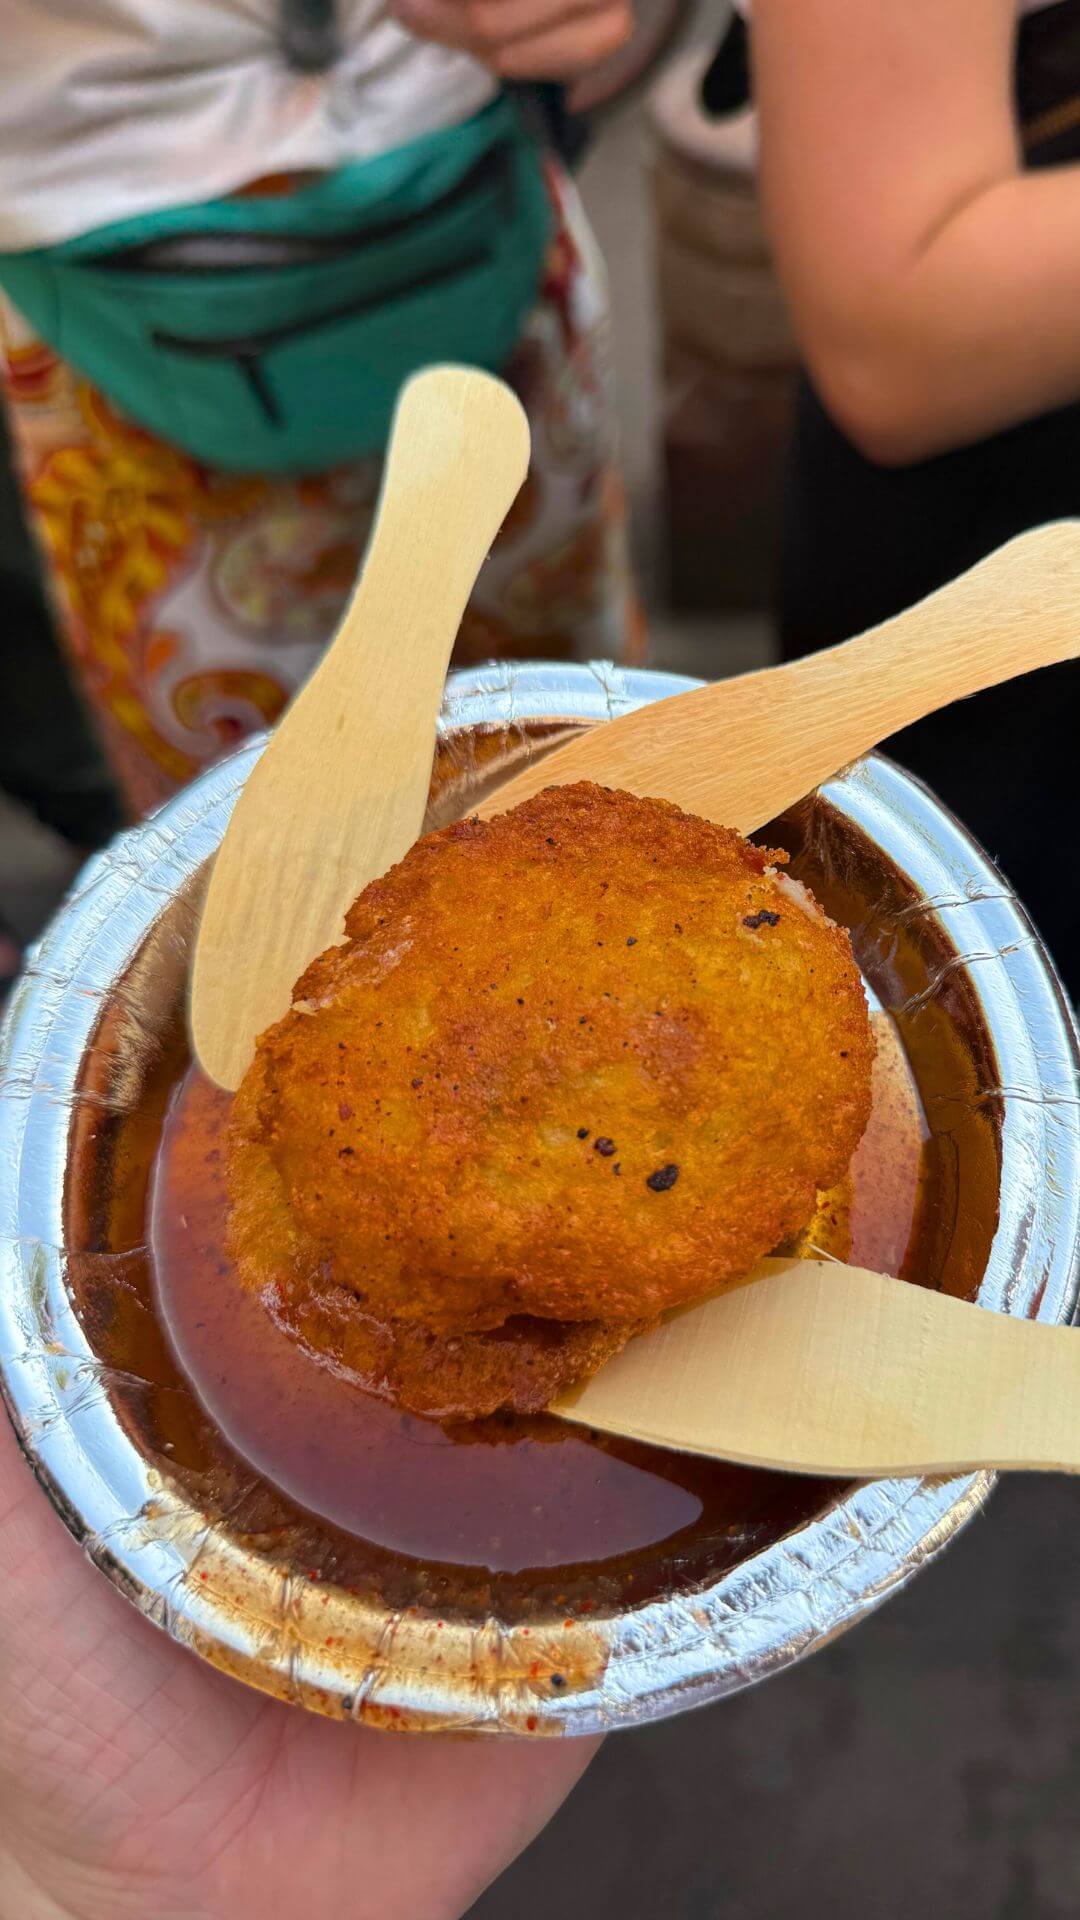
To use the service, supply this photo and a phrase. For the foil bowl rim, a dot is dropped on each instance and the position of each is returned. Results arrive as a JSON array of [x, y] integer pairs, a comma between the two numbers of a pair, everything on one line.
[[773, 1608]]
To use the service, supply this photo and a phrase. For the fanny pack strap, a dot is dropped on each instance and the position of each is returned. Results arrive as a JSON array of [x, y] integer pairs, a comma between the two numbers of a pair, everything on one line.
[[310, 34]]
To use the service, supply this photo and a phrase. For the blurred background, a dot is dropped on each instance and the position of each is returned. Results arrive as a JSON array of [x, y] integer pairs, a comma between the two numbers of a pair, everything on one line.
[[927, 1763], [930, 1760]]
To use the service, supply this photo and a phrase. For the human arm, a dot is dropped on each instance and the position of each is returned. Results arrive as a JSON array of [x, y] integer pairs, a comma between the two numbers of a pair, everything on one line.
[[136, 1784], [934, 285]]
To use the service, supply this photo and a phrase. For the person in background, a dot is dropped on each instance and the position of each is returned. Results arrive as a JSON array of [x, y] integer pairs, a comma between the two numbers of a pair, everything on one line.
[[49, 760], [228, 231], [920, 173]]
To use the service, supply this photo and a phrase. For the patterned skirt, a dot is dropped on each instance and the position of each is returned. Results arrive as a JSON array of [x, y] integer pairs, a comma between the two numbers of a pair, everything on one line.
[[193, 602]]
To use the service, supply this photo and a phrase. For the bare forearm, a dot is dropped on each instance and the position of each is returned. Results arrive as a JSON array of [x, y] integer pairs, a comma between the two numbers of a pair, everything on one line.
[[979, 331], [935, 285]]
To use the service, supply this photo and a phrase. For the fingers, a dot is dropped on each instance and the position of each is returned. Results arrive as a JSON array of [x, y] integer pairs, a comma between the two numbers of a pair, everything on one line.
[[559, 55], [523, 39]]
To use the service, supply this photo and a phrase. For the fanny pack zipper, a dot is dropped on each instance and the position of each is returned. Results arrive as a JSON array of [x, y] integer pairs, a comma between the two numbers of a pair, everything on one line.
[[494, 169], [246, 350]]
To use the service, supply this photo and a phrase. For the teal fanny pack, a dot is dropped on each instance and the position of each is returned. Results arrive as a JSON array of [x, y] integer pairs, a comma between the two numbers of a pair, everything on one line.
[[273, 334]]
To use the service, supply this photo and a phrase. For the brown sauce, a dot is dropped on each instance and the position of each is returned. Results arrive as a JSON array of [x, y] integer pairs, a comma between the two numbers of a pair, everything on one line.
[[520, 1495]]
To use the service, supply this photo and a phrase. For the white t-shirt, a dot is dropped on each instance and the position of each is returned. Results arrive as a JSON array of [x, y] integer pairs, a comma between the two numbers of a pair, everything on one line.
[[116, 107]]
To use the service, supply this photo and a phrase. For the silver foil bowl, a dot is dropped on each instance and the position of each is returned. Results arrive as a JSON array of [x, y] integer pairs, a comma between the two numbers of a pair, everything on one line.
[[92, 1044]]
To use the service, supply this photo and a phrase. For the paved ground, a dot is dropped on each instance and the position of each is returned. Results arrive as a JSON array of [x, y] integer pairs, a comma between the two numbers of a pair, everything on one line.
[[927, 1764]]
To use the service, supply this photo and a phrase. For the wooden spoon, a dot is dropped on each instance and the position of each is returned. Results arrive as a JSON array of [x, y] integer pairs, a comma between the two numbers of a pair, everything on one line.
[[743, 750], [340, 792], [820, 1368]]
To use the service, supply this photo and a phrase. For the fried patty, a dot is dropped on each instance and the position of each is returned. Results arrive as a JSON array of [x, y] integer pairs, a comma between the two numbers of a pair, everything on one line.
[[521, 1365], [576, 1064]]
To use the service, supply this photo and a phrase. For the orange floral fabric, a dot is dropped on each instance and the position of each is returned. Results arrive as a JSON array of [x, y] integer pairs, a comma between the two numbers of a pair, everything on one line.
[[194, 602]]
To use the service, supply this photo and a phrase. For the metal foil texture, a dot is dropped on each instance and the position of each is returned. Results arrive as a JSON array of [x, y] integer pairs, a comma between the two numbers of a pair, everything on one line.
[[90, 1039]]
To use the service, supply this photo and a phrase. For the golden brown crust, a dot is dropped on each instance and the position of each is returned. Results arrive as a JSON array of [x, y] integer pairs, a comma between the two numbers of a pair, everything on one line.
[[475, 1115], [520, 1366]]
